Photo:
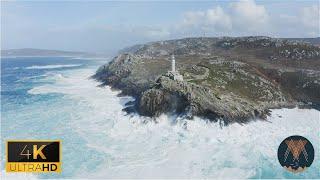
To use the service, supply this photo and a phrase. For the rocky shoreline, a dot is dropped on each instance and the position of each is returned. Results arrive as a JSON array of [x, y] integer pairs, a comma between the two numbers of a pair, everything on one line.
[[225, 79]]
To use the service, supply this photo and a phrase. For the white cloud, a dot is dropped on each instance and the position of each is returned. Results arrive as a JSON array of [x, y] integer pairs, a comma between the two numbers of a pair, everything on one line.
[[305, 23], [215, 19], [193, 18], [247, 14], [309, 17], [239, 16], [147, 32], [218, 18], [249, 18], [157, 33]]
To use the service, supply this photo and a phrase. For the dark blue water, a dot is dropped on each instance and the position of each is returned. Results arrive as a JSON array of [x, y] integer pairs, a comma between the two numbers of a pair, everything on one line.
[[17, 73]]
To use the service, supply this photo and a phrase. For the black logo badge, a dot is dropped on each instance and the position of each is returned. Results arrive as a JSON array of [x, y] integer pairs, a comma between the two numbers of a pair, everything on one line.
[[295, 153], [33, 156]]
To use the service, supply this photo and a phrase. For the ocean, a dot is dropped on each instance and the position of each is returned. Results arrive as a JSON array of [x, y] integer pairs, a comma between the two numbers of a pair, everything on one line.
[[54, 98]]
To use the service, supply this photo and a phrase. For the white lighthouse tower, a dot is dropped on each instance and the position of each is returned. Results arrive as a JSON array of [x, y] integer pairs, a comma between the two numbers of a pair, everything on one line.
[[173, 74], [173, 63]]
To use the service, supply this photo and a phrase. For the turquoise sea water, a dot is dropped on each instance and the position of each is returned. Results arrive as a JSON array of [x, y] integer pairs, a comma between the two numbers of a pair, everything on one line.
[[54, 98]]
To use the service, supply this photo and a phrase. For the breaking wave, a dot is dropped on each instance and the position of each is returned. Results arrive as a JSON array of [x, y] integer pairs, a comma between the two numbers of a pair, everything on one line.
[[138, 147], [56, 66]]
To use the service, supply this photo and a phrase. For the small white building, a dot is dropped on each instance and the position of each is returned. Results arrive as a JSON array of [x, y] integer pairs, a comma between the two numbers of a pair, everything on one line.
[[173, 74]]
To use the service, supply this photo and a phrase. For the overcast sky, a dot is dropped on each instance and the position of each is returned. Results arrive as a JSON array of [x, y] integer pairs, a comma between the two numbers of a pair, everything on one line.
[[106, 26]]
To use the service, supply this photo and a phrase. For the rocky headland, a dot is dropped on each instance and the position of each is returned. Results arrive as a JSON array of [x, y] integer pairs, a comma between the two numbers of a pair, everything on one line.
[[226, 79]]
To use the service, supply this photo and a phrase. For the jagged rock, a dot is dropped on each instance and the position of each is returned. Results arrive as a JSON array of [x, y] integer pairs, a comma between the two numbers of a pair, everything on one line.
[[153, 102]]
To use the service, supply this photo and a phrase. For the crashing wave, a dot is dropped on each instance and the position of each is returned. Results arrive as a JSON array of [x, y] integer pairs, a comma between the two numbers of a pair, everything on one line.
[[56, 66]]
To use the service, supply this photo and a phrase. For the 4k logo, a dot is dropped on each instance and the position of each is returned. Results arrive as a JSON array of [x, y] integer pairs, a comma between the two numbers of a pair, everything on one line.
[[33, 156]]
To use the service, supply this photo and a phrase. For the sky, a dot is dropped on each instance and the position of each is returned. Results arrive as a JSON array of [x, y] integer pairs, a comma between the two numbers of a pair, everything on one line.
[[107, 26]]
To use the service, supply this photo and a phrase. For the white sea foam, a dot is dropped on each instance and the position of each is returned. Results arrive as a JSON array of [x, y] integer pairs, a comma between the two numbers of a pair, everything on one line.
[[17, 176], [30, 78], [53, 66], [169, 149]]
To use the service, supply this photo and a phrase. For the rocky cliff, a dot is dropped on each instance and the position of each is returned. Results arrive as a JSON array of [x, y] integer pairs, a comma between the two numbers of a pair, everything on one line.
[[226, 79]]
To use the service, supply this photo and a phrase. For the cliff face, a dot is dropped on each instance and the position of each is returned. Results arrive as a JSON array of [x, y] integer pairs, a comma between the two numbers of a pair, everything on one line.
[[227, 79]]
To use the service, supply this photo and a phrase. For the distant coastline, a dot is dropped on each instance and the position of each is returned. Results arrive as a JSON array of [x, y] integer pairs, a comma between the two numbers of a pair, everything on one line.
[[30, 52]]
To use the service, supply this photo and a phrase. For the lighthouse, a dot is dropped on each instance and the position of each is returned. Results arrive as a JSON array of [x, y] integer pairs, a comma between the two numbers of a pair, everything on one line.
[[173, 63], [173, 74]]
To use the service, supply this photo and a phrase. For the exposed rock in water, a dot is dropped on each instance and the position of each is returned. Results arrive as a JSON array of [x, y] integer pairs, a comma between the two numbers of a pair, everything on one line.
[[227, 79]]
